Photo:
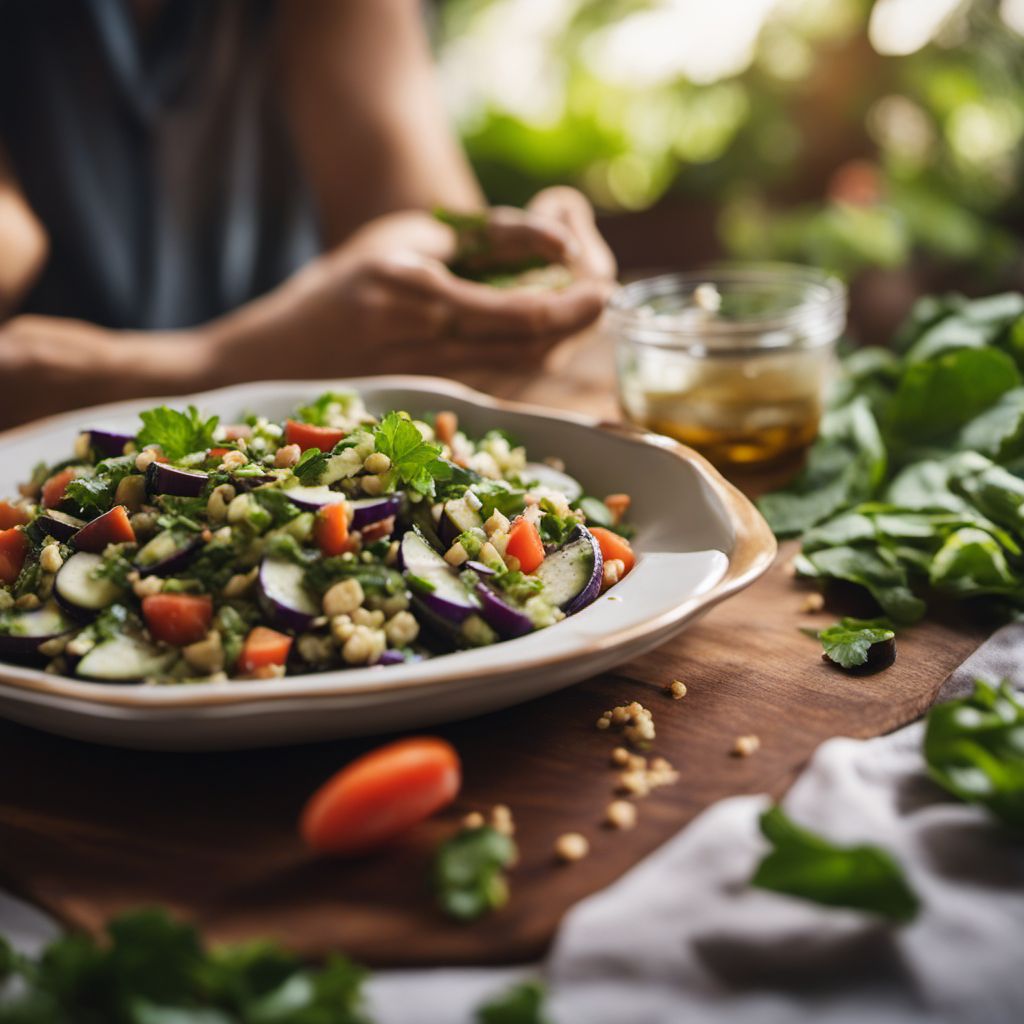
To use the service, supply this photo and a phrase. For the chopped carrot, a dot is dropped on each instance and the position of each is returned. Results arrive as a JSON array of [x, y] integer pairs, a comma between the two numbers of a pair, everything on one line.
[[613, 546], [381, 795], [54, 488], [525, 545], [14, 545], [331, 529], [305, 435], [178, 619], [446, 425], [264, 647], [11, 515], [112, 527]]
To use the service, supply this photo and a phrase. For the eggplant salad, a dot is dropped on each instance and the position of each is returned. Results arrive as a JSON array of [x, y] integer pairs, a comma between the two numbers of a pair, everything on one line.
[[197, 551]]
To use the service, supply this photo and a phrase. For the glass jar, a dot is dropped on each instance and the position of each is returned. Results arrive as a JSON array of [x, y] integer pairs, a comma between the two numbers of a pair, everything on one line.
[[734, 362]]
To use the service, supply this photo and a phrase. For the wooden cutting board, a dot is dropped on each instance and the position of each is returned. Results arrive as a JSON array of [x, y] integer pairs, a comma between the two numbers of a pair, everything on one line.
[[86, 831]]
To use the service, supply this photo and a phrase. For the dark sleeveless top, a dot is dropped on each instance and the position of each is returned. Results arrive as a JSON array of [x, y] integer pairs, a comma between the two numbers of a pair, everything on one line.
[[162, 170]]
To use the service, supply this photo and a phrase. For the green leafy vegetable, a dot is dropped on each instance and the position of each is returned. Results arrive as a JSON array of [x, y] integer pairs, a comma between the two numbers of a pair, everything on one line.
[[327, 407], [374, 578], [414, 462], [521, 1004], [469, 872], [179, 513], [177, 434], [95, 494], [310, 467], [974, 747], [849, 642], [153, 970], [857, 877]]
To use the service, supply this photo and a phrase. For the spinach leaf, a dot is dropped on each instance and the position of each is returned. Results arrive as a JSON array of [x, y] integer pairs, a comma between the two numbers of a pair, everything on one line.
[[974, 747], [970, 563], [998, 431], [805, 865], [469, 872], [875, 569], [848, 643], [176, 433], [521, 1004]]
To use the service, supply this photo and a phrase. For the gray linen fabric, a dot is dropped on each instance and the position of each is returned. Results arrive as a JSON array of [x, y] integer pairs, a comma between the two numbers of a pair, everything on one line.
[[683, 938]]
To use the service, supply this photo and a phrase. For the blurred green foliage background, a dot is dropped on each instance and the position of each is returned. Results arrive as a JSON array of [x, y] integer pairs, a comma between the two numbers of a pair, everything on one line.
[[853, 134]]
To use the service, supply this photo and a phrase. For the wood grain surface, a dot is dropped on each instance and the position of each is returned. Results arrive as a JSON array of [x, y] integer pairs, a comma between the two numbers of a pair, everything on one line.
[[87, 831]]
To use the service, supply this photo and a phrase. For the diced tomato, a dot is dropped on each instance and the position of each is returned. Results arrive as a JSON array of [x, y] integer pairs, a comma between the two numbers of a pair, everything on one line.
[[380, 795], [614, 546], [112, 527], [618, 505], [11, 515], [178, 619], [54, 488], [264, 647], [236, 431], [14, 545], [331, 529], [305, 435], [446, 425], [524, 544], [378, 530], [217, 453]]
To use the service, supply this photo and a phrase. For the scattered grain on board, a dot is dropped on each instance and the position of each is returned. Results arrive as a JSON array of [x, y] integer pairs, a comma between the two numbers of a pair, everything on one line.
[[746, 745], [571, 847]]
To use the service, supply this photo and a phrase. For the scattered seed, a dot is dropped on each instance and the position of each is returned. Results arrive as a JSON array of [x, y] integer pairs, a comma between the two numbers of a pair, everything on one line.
[[571, 847], [620, 814], [746, 745], [677, 689]]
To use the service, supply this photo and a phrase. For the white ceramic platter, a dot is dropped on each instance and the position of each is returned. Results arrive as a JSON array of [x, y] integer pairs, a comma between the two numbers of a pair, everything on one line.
[[698, 540]]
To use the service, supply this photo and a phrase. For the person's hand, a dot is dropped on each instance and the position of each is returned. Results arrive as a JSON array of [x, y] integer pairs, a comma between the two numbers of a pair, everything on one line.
[[571, 210], [390, 287]]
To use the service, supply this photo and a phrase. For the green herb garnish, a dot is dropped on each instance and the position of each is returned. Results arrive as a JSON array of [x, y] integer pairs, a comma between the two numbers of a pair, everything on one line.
[[469, 872], [322, 410], [521, 1004], [414, 462], [177, 434], [857, 877], [974, 747], [849, 642]]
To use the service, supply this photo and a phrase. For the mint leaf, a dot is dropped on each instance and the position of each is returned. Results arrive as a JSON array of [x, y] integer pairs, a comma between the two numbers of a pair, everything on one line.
[[177, 434], [521, 1004], [974, 747], [469, 871], [848, 643], [414, 462], [805, 865]]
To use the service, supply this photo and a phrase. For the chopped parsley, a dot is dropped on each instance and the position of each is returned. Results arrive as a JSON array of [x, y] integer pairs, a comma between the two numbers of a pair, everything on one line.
[[469, 872], [323, 410], [175, 433], [851, 643], [414, 462]]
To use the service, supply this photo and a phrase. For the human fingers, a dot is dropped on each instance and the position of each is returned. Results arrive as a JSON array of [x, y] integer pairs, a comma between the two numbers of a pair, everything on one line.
[[571, 208]]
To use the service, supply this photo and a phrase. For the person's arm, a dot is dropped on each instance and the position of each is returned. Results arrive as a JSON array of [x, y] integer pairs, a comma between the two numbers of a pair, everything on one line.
[[366, 114]]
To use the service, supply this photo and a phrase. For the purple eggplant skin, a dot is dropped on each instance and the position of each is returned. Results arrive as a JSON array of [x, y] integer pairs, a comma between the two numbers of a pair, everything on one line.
[[47, 622], [373, 510], [250, 483], [592, 590], [479, 568], [396, 657], [505, 620], [282, 597], [175, 562], [109, 443], [59, 525], [450, 600], [182, 483]]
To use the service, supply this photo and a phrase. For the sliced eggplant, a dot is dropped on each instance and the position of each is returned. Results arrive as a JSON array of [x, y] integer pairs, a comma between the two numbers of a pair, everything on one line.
[[283, 595], [312, 499], [77, 588], [59, 525], [437, 586], [479, 568], [109, 443], [458, 516], [167, 553], [182, 483], [373, 510], [125, 659], [547, 478], [392, 656], [27, 630], [506, 621], [572, 573]]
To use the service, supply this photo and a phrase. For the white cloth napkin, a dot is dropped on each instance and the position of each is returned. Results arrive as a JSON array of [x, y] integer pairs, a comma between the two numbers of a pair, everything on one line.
[[683, 938]]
